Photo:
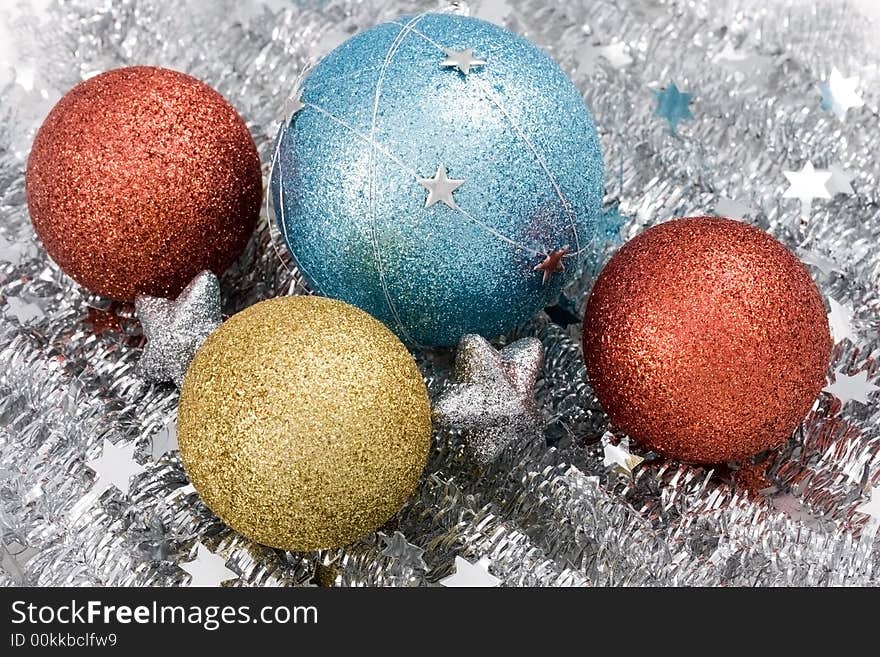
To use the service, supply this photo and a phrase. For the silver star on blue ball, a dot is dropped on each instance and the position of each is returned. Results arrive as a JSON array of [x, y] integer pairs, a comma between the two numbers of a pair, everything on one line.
[[492, 398], [176, 328]]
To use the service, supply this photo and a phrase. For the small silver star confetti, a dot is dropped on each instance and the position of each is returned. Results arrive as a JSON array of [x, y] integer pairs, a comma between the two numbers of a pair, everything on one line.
[[839, 94], [492, 399], [17, 252], [794, 509], [13, 558], [851, 388], [404, 553], [588, 58], [207, 569], [23, 310], [616, 55], [840, 182], [470, 575], [618, 457], [826, 265], [463, 60], [164, 441], [115, 467], [440, 188], [742, 61], [840, 320], [734, 209], [494, 11], [805, 185], [175, 329], [872, 506]]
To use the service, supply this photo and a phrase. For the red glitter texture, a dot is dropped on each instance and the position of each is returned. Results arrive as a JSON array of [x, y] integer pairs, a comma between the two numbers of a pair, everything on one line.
[[706, 340], [139, 179]]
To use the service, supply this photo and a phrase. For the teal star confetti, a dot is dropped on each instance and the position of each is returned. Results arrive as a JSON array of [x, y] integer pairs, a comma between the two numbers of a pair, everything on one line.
[[673, 105]]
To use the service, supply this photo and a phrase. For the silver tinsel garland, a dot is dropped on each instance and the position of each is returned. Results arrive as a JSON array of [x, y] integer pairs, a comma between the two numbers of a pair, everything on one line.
[[545, 512]]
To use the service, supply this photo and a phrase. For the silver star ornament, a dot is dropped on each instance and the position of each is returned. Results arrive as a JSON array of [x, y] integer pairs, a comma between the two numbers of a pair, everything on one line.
[[463, 60], [492, 398], [176, 328], [471, 575], [207, 569], [402, 552], [440, 188]]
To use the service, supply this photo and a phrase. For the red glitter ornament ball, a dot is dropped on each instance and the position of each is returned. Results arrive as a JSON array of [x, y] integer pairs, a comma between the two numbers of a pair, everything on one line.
[[706, 340], [139, 179]]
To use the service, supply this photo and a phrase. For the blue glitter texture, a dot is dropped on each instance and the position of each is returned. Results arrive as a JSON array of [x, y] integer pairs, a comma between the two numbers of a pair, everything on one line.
[[381, 112]]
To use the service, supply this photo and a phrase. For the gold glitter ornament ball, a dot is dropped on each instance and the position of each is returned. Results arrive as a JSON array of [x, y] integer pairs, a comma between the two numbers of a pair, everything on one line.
[[304, 423]]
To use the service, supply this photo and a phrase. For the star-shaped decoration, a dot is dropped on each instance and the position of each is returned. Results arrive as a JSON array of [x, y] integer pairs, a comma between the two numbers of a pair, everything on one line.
[[616, 55], [734, 208], [840, 182], [839, 94], [470, 575], [872, 506], [494, 11], [463, 60], [13, 558], [618, 457], [17, 252], [851, 388], [794, 509], [742, 60], [440, 188], [23, 310], [115, 467], [673, 105], [807, 184], [164, 441], [551, 264], [492, 397], [840, 320], [588, 57], [175, 329], [207, 569], [826, 265], [404, 553]]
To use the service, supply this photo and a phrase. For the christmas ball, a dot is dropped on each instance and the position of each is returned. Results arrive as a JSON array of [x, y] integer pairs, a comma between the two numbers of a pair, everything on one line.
[[139, 179], [303, 423], [441, 173], [706, 340]]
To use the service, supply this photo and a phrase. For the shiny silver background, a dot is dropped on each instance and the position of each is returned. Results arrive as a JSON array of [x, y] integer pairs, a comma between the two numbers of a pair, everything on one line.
[[541, 515]]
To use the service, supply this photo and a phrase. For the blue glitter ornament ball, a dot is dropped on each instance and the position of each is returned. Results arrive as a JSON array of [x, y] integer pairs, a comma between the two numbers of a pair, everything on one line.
[[442, 174]]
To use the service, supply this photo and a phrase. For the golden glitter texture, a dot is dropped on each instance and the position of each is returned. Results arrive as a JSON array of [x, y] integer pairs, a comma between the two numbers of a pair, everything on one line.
[[139, 179], [304, 423], [706, 340]]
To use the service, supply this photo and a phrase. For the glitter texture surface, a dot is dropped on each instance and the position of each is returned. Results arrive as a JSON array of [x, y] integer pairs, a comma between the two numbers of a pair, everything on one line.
[[304, 423], [176, 328], [546, 512], [492, 401], [706, 340], [380, 114], [139, 179]]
